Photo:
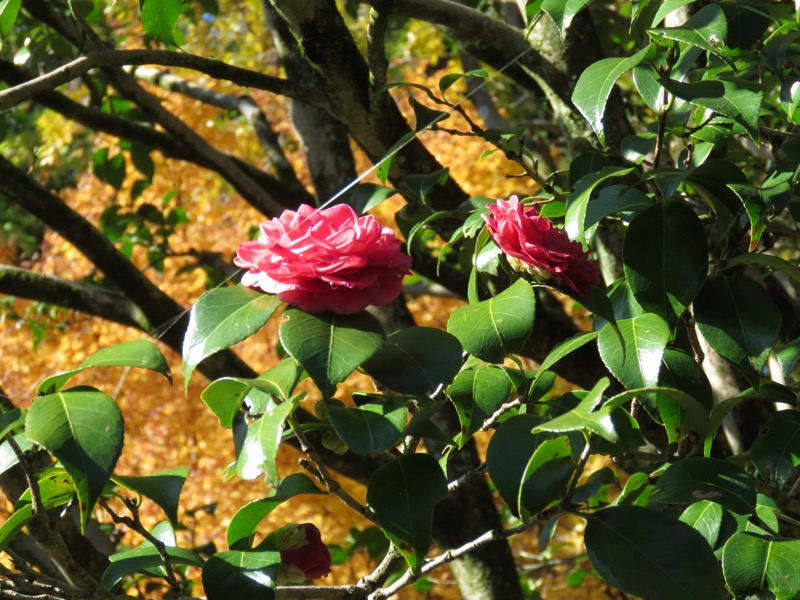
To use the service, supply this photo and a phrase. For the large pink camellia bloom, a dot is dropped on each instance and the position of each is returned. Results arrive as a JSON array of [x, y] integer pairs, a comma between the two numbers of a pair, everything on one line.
[[534, 246], [328, 260]]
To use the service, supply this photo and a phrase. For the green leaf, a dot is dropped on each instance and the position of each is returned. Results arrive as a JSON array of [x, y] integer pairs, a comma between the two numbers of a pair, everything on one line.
[[694, 417], [416, 360], [224, 397], [369, 195], [578, 201], [680, 371], [636, 358], [245, 521], [615, 200], [329, 346], [739, 320], [143, 558], [546, 475], [776, 452], [667, 7], [754, 564], [222, 317], [403, 494], [776, 263], [384, 165], [510, 450], [260, 448], [698, 478], [647, 553], [735, 98], [372, 427], [159, 18], [55, 489], [10, 420], [706, 29], [163, 488], [589, 415], [706, 517], [84, 431], [477, 394], [237, 575], [421, 185], [425, 117], [665, 256], [8, 15], [140, 354], [563, 349], [446, 82], [110, 170], [498, 327], [594, 86], [563, 11], [8, 457]]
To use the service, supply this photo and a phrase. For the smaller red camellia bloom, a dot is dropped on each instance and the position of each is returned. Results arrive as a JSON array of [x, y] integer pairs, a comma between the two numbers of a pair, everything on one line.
[[534, 246], [325, 260], [303, 554]]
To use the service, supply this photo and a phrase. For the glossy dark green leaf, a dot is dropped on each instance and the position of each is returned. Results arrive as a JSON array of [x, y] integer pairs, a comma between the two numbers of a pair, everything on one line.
[[109, 169], [446, 82], [498, 327], [636, 358], [143, 558], [245, 521], [84, 431], [403, 494], [776, 452], [755, 564], [739, 320], [647, 553], [510, 449], [416, 360], [693, 415], [680, 371], [329, 346], [477, 394], [578, 200], [666, 8], [140, 354], [55, 489], [222, 317], [563, 349], [737, 99], [665, 256], [706, 29], [8, 15], [260, 447], [369, 195], [159, 18], [238, 575], [698, 478], [163, 488], [706, 517], [546, 475], [8, 457], [770, 261], [224, 397], [563, 11], [591, 414], [11, 420], [594, 86], [372, 427]]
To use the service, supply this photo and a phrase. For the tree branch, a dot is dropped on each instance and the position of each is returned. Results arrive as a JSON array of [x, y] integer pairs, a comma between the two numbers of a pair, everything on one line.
[[151, 138], [105, 58]]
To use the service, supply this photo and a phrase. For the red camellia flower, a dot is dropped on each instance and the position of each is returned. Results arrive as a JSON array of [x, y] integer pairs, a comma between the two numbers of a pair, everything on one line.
[[328, 260], [534, 246], [303, 554]]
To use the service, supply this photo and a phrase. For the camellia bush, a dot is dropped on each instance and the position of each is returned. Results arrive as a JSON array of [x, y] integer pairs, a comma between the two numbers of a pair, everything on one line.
[[664, 219]]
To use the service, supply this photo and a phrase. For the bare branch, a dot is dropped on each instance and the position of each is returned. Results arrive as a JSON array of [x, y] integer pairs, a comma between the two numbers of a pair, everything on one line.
[[104, 58]]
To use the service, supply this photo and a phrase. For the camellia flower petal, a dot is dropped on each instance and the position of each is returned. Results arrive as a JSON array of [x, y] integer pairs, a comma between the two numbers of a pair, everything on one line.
[[325, 260], [534, 246], [303, 553]]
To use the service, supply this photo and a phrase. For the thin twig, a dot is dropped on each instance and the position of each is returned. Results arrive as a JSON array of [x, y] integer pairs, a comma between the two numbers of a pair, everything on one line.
[[30, 477], [475, 473], [136, 525], [491, 421], [369, 583], [317, 468]]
